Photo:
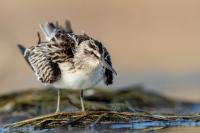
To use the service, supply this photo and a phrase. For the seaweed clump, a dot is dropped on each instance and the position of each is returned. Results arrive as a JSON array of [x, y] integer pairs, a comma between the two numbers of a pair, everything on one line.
[[104, 107]]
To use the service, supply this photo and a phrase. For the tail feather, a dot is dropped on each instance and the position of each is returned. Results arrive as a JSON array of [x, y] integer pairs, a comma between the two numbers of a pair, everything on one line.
[[68, 27], [22, 49], [24, 52], [49, 30]]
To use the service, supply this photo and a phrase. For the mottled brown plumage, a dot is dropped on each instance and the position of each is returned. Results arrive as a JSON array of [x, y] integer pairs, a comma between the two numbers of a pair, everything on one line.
[[67, 60]]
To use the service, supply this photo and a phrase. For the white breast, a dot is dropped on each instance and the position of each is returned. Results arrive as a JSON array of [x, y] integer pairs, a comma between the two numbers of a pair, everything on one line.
[[78, 79]]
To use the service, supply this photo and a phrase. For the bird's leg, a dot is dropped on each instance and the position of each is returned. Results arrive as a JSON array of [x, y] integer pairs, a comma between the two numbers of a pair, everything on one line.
[[82, 104], [58, 102]]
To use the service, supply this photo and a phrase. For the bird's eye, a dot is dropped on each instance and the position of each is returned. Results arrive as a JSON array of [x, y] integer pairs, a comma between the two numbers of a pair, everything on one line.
[[86, 51], [91, 53]]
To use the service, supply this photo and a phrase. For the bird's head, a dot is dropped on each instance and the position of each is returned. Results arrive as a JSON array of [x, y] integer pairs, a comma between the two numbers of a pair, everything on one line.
[[88, 51], [94, 53]]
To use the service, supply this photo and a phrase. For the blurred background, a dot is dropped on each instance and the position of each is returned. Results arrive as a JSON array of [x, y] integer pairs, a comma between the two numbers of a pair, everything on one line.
[[153, 43]]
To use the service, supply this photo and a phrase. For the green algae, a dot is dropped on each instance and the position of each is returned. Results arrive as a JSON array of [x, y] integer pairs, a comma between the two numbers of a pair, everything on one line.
[[44, 101]]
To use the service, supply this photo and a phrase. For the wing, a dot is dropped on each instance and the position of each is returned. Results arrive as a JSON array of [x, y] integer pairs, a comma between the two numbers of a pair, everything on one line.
[[45, 58], [108, 75]]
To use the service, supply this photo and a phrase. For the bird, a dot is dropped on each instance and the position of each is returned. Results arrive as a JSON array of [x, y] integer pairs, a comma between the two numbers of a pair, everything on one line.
[[69, 60]]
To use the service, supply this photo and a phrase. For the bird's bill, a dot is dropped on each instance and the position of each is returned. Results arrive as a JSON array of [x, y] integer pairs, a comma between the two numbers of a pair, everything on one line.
[[109, 67]]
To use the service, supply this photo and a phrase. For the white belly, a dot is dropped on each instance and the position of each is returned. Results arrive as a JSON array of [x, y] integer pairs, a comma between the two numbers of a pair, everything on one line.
[[79, 79]]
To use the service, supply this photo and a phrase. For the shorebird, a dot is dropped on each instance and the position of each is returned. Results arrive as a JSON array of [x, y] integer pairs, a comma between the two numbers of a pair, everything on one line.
[[66, 60]]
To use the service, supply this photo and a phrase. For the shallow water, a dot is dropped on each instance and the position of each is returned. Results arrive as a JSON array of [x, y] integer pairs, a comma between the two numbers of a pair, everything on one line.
[[178, 125]]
